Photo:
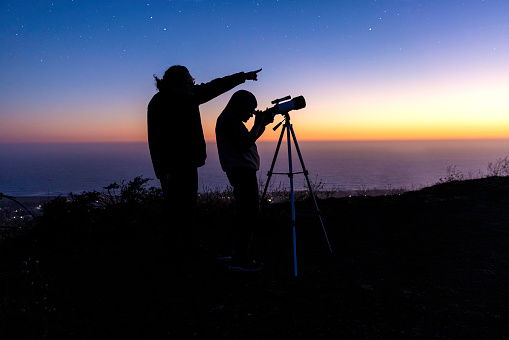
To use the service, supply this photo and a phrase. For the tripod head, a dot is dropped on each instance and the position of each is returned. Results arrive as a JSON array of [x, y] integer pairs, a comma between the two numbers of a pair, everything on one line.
[[286, 121]]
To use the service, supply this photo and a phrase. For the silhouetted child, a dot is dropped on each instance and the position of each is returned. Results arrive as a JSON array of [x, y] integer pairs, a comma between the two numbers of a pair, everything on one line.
[[239, 158]]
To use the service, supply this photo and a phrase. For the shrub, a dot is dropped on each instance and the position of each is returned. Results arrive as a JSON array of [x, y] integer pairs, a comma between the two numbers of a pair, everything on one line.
[[453, 174], [499, 168], [119, 209]]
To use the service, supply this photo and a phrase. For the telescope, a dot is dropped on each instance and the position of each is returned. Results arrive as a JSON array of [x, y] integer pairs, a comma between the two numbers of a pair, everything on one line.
[[286, 104], [283, 106]]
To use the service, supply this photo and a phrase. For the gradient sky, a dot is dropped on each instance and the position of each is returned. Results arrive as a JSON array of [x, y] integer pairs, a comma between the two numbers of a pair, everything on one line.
[[81, 71]]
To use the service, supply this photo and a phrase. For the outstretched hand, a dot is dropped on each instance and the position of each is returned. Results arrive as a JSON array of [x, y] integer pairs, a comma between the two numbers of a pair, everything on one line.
[[252, 75]]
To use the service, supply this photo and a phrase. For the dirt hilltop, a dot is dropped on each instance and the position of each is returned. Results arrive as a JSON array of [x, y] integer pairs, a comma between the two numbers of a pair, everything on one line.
[[432, 263]]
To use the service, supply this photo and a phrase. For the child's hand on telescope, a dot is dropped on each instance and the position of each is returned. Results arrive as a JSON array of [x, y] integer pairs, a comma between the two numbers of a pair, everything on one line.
[[259, 117], [268, 117]]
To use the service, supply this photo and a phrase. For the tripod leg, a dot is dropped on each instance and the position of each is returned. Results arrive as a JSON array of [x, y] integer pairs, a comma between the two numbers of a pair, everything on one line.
[[269, 174], [309, 184], [292, 195]]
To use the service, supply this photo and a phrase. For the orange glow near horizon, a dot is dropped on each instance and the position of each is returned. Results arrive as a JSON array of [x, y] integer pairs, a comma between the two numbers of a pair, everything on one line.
[[396, 110], [306, 129]]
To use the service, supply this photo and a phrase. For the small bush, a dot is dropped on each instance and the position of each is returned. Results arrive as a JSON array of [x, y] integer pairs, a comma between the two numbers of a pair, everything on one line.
[[453, 174], [119, 209], [499, 168]]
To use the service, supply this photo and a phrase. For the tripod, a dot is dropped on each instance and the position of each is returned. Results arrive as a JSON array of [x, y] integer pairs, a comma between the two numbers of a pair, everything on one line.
[[289, 129]]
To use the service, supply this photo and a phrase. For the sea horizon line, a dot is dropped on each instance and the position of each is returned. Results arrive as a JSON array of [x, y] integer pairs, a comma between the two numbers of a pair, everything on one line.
[[269, 141]]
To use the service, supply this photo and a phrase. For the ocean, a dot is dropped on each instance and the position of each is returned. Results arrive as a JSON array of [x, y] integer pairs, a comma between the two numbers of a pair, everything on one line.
[[59, 169]]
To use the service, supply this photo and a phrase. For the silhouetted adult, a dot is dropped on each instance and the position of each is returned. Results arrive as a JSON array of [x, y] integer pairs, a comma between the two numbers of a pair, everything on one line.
[[239, 158], [177, 144]]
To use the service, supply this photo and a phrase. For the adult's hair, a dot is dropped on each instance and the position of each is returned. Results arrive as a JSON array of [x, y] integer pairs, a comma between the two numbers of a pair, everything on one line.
[[172, 76], [242, 100]]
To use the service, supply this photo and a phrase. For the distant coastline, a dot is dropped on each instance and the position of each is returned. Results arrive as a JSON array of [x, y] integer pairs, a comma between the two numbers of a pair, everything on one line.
[[49, 170]]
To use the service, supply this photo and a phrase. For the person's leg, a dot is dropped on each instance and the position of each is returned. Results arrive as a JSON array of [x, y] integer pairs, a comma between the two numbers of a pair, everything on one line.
[[180, 195], [168, 210], [245, 190]]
